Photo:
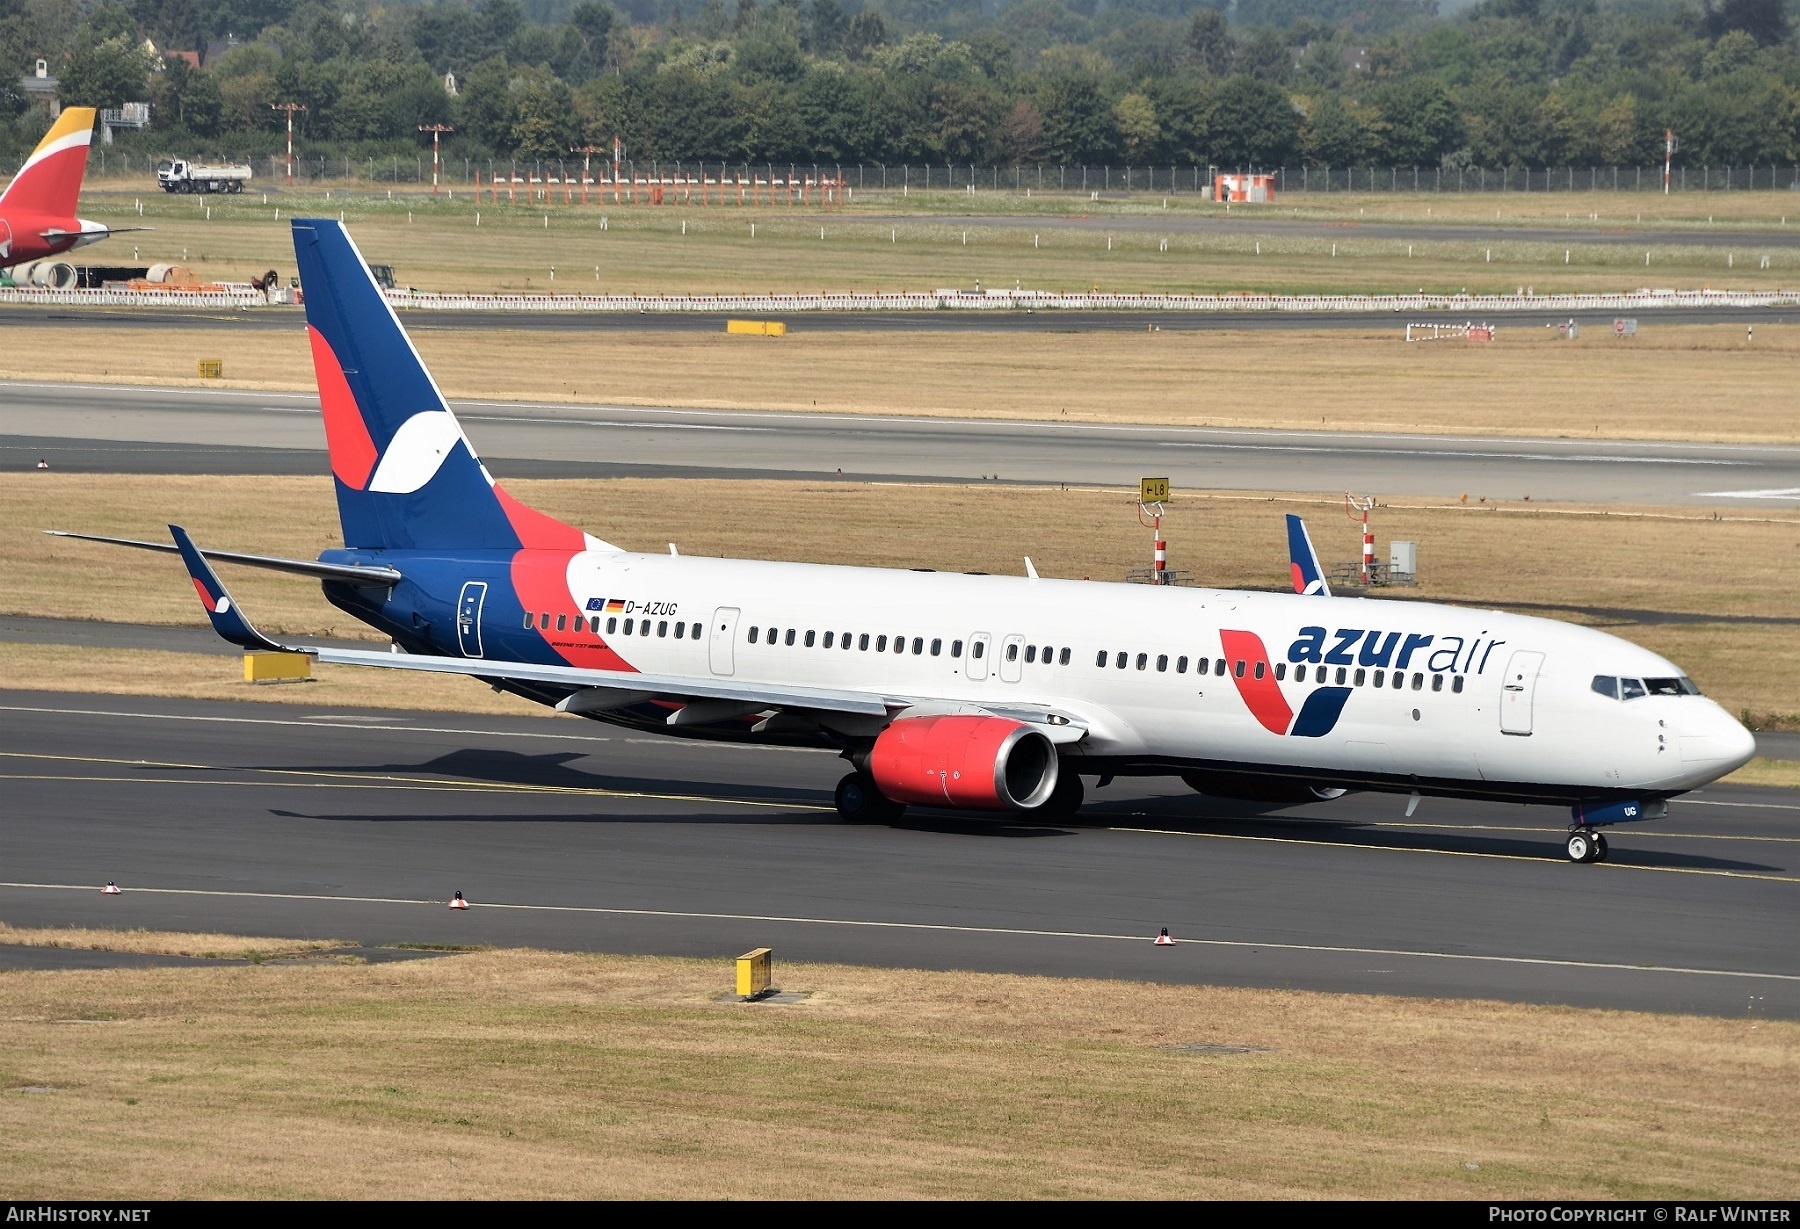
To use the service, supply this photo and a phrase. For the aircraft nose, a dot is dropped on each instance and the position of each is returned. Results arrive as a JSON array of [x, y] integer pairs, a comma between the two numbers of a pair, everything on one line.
[[1717, 746]]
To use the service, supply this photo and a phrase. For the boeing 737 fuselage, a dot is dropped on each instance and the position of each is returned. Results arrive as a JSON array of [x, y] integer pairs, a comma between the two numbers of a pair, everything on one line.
[[949, 690]]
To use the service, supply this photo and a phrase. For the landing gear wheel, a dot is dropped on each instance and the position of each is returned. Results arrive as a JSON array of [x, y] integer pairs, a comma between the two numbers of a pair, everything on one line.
[[1583, 847], [1065, 799], [1599, 847], [859, 802]]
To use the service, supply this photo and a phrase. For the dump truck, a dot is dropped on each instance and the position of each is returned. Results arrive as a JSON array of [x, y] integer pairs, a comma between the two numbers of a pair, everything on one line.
[[180, 175]]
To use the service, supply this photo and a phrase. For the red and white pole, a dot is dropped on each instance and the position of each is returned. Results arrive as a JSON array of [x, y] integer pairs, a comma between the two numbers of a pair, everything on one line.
[[1668, 156], [290, 147], [1368, 555], [1162, 554]]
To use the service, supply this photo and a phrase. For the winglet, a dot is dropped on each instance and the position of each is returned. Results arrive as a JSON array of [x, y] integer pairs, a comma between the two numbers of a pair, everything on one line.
[[1303, 560], [227, 619]]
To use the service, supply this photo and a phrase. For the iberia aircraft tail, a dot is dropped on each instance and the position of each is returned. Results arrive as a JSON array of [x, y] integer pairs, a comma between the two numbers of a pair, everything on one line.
[[407, 476], [49, 183]]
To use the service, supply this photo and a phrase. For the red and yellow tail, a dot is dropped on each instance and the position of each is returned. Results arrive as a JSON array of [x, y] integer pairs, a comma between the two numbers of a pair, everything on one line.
[[50, 181]]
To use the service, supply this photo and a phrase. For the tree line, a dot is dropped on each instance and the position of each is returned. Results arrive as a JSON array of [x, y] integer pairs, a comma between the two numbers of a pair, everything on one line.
[[1522, 83]]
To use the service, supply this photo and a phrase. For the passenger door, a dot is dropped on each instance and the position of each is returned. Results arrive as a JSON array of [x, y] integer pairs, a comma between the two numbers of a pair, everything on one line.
[[978, 655], [1012, 659], [1517, 690], [724, 636], [468, 617]]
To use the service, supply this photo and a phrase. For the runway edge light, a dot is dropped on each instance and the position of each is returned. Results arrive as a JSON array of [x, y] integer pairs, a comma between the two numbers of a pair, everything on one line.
[[457, 902], [1162, 938]]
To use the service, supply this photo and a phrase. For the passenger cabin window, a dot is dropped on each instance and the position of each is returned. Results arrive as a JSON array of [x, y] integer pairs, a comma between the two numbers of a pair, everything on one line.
[[1202, 665], [1437, 681], [594, 625], [1219, 668], [978, 649], [1456, 684], [529, 620], [1260, 667], [544, 621], [881, 644], [1120, 660], [1381, 678], [828, 640], [937, 647], [562, 622], [1418, 681], [919, 645], [956, 648], [1280, 671], [1100, 659], [1012, 652], [694, 632], [1030, 653], [612, 625], [789, 638], [1238, 669], [1299, 674], [810, 634], [1162, 663], [662, 627], [1181, 665], [1143, 659], [1341, 676], [1062, 658]]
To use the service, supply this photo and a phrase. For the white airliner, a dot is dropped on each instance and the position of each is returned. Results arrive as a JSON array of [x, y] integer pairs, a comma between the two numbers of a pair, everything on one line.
[[942, 690]]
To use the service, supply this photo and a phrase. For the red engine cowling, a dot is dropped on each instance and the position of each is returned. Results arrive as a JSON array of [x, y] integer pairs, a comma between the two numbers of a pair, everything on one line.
[[983, 763]]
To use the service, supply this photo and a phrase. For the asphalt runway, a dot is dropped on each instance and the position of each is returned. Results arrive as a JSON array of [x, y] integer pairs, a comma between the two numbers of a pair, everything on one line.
[[277, 319], [271, 819], [108, 428]]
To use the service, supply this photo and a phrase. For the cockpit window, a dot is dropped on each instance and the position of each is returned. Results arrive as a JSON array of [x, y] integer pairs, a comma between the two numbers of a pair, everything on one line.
[[1607, 685], [1630, 689], [1672, 687]]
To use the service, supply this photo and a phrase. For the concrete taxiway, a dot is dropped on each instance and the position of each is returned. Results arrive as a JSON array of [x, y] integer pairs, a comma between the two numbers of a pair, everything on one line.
[[358, 825], [108, 428]]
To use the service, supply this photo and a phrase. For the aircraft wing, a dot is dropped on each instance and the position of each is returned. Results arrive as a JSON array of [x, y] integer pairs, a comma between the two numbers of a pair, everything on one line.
[[711, 699]]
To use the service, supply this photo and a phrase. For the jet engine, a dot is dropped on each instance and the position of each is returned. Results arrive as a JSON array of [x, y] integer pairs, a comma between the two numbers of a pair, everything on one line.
[[1250, 788], [982, 763]]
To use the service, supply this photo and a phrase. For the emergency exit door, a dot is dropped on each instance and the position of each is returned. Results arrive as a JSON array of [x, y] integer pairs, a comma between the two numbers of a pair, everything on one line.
[[724, 635]]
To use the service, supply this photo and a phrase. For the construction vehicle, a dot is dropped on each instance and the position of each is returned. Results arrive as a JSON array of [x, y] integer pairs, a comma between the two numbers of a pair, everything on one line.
[[180, 175]]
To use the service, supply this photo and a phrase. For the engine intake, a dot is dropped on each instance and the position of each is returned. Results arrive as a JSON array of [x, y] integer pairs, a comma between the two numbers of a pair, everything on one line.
[[982, 763]]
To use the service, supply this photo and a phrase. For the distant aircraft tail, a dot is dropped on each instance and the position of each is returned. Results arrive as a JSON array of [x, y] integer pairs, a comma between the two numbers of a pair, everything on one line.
[[49, 184], [407, 477], [1303, 560]]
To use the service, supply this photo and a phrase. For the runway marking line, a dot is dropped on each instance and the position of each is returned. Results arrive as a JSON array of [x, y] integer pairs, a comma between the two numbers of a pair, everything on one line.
[[337, 780], [1455, 853], [941, 927], [346, 721]]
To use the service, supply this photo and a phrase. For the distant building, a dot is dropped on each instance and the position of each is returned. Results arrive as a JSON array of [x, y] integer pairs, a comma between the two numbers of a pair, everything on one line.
[[39, 89], [190, 58], [450, 84]]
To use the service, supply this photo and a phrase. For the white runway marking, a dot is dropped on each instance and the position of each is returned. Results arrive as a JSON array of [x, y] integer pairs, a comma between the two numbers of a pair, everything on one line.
[[1006, 931], [1785, 492]]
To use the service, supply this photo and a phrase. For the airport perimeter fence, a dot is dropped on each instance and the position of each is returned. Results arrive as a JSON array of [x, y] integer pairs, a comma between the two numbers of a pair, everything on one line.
[[395, 170]]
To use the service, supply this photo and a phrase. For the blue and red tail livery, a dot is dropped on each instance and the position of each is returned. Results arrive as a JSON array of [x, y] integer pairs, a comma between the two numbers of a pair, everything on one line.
[[1303, 560], [407, 477]]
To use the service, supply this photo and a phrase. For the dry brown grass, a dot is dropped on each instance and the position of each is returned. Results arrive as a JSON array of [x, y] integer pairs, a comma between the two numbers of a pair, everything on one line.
[[1596, 565], [1784, 774], [163, 943], [528, 1074], [921, 244], [1525, 383]]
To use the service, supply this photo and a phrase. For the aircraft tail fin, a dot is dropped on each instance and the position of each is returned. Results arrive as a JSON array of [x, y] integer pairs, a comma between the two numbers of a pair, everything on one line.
[[407, 476], [49, 184], [1303, 560]]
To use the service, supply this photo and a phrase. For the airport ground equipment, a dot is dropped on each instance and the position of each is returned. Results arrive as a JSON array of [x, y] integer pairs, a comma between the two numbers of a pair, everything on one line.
[[178, 175]]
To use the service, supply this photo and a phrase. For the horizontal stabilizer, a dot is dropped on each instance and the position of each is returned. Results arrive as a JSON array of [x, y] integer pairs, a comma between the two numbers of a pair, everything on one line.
[[354, 573]]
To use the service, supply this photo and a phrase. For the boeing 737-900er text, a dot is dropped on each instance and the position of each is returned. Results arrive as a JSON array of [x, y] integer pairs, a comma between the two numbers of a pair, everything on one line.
[[37, 210], [980, 692]]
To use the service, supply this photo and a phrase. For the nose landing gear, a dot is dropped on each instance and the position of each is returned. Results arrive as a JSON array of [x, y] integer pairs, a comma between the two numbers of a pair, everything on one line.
[[1586, 846]]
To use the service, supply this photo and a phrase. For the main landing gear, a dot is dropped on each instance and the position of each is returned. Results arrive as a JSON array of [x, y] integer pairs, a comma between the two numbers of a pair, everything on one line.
[[1586, 845], [860, 802]]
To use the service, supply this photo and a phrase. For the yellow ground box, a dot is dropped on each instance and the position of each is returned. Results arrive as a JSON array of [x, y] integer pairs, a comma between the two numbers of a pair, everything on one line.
[[754, 970], [277, 667], [212, 369], [758, 328]]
